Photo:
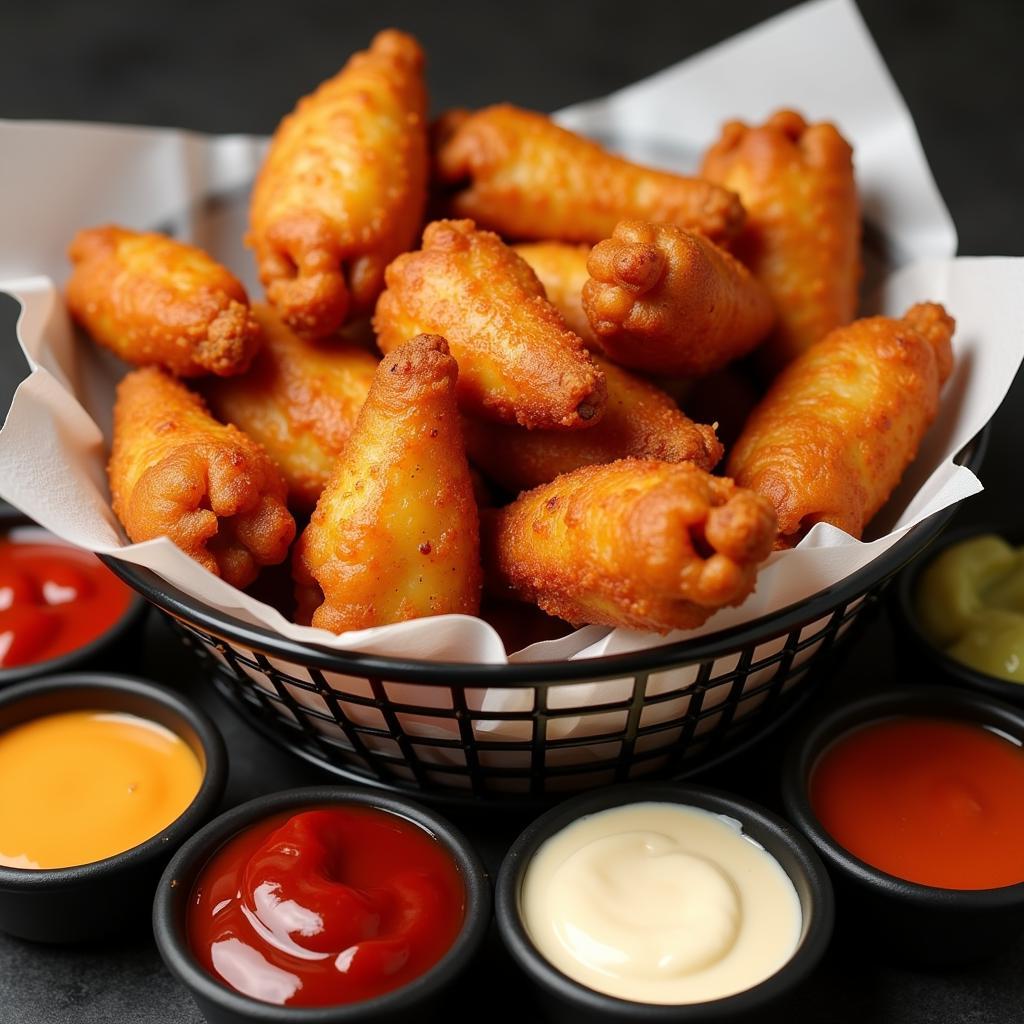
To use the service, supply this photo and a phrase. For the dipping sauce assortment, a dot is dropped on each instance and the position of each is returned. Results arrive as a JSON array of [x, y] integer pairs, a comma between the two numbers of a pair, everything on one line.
[[327, 906], [660, 903], [53, 598], [80, 786], [933, 801], [970, 604], [652, 902]]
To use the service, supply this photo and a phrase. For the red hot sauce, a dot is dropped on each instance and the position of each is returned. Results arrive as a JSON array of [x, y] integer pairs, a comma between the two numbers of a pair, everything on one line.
[[934, 801], [328, 906], [54, 599]]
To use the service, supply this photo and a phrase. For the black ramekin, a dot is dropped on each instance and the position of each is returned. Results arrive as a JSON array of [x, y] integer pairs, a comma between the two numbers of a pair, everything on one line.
[[112, 895], [115, 649], [915, 651], [223, 1005], [902, 920], [567, 1000]]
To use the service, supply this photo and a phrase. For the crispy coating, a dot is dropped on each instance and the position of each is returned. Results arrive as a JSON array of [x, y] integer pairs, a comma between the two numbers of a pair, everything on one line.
[[802, 235], [395, 534], [520, 174], [157, 302], [638, 543], [666, 300], [562, 269], [343, 188], [830, 440], [639, 420], [518, 362], [300, 400], [176, 472]]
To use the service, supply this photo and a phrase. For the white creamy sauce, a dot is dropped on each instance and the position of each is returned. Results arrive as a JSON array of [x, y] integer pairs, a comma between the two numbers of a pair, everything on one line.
[[660, 903]]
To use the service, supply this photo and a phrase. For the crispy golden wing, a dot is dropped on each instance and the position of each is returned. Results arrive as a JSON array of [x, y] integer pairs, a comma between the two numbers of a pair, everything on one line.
[[802, 235], [395, 534], [639, 420], [518, 173], [830, 440], [518, 362], [343, 187], [638, 543], [562, 268], [176, 472], [157, 302], [299, 400], [666, 300]]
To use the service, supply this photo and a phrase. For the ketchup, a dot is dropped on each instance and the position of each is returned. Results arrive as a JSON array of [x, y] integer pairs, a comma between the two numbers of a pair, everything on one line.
[[53, 600], [327, 906]]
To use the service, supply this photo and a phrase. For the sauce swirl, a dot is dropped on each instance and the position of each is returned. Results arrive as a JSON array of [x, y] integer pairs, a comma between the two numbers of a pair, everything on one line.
[[328, 906]]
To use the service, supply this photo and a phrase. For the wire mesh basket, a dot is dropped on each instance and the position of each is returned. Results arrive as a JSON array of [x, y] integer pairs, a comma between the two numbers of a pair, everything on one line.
[[431, 728]]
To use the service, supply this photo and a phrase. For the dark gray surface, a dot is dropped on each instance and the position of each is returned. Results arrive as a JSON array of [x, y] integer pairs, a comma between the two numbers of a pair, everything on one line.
[[221, 67]]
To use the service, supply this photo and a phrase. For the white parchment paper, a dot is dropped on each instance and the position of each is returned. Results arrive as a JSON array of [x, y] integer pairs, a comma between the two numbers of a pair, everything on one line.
[[818, 58]]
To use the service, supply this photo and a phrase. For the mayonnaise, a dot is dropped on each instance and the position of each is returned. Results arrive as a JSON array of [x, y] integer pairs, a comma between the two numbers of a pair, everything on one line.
[[660, 903]]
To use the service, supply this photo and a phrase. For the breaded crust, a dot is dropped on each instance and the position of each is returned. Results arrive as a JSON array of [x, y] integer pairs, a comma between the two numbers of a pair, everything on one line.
[[637, 543], [343, 187], [176, 472], [518, 361], [395, 534], [154, 301], [830, 440], [520, 174]]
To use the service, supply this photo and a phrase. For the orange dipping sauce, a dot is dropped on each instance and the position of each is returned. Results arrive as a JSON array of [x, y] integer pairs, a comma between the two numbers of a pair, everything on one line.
[[933, 801], [80, 786], [53, 599]]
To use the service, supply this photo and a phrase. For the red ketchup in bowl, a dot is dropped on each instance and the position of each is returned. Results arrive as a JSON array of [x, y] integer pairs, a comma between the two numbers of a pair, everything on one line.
[[328, 906], [54, 599]]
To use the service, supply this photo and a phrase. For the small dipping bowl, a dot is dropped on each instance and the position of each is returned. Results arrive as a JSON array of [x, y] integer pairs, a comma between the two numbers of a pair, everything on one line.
[[114, 649], [916, 650], [565, 999], [223, 1005], [112, 895], [905, 921]]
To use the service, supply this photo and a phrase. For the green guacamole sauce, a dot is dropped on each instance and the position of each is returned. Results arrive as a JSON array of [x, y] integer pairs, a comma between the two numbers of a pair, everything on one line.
[[970, 604]]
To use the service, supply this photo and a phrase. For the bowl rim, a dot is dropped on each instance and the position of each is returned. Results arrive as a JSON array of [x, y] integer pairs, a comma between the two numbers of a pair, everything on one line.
[[818, 734], [196, 614], [753, 817], [11, 519], [211, 787], [187, 863], [902, 607]]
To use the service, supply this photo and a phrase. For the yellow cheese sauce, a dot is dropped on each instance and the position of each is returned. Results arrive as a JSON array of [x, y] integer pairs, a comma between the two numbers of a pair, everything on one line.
[[660, 903], [970, 604], [79, 786]]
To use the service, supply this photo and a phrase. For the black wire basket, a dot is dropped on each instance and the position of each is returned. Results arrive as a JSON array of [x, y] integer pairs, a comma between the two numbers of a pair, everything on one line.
[[428, 727]]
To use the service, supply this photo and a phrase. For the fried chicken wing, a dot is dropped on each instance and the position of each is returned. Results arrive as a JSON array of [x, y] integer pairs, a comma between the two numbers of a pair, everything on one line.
[[520, 174], [802, 234], [518, 362], [299, 400], [157, 302], [666, 300], [395, 533], [176, 472], [638, 543], [639, 420], [562, 269], [830, 440], [343, 187]]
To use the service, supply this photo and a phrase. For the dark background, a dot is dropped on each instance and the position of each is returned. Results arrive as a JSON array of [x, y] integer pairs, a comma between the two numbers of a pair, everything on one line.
[[222, 67]]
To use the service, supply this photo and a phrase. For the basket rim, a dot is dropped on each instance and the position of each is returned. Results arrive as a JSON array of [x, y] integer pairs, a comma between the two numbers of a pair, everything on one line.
[[195, 613]]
